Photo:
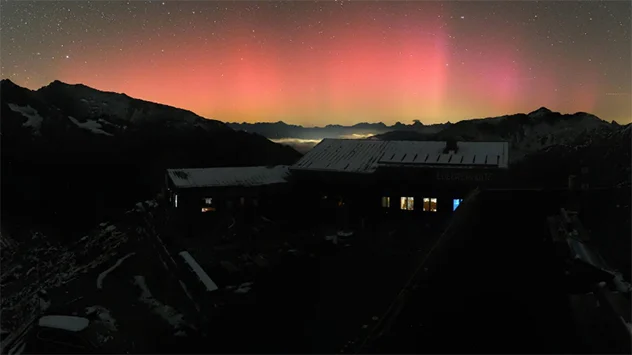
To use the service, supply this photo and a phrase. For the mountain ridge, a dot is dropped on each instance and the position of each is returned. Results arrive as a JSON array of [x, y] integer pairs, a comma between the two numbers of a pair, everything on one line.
[[282, 130], [74, 155]]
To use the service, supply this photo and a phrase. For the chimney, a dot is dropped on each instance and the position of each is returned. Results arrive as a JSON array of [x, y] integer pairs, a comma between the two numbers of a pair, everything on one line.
[[451, 146]]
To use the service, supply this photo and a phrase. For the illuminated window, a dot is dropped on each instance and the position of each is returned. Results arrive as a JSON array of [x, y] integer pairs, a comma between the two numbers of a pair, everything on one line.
[[455, 203], [430, 204], [208, 201], [386, 202], [175, 200], [407, 203], [208, 209]]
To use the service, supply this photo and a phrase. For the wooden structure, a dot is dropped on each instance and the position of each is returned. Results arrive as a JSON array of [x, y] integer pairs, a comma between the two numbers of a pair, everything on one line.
[[347, 181], [197, 197], [353, 178]]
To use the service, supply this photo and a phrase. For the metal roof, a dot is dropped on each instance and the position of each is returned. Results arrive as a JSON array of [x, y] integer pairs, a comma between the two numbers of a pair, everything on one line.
[[229, 176], [365, 156]]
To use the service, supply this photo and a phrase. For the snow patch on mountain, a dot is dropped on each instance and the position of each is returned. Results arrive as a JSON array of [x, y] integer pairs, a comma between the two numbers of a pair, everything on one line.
[[90, 125], [34, 120]]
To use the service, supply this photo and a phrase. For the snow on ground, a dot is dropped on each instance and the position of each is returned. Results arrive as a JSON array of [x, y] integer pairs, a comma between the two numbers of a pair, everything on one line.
[[7, 243], [166, 312], [104, 316], [151, 203], [34, 120], [244, 288], [107, 323], [106, 272], [333, 238], [50, 265], [345, 233], [90, 125], [69, 323], [620, 284], [69, 272], [17, 350]]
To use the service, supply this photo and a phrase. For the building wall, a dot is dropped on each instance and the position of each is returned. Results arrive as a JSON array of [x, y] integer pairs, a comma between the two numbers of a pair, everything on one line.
[[188, 217], [341, 198]]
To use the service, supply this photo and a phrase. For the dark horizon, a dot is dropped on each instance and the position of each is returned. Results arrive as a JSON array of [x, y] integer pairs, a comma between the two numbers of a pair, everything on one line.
[[374, 124]]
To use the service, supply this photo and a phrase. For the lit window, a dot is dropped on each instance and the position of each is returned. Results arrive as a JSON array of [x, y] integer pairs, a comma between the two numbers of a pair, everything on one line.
[[430, 204], [208, 209], [455, 203], [407, 203], [386, 202], [208, 201], [175, 201]]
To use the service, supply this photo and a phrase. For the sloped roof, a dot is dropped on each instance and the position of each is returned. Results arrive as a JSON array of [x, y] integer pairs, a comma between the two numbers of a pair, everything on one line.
[[365, 156], [229, 176], [358, 156]]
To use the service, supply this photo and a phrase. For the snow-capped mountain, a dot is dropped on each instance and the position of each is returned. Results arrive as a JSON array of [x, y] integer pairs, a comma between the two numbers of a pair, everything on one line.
[[547, 146], [600, 157], [71, 150], [528, 133], [99, 112]]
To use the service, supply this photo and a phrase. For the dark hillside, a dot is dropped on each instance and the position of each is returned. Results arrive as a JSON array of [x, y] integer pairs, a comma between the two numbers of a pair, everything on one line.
[[94, 153]]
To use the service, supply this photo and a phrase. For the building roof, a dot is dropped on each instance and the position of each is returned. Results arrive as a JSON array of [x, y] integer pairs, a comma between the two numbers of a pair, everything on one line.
[[365, 156], [230, 176]]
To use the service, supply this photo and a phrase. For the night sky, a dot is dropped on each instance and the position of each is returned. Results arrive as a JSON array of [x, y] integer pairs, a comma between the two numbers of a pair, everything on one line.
[[340, 62]]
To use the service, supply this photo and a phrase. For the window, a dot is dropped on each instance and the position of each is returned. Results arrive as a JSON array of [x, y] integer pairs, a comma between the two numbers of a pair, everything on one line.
[[386, 202], [455, 203], [407, 203], [208, 209], [208, 201], [430, 204], [175, 200]]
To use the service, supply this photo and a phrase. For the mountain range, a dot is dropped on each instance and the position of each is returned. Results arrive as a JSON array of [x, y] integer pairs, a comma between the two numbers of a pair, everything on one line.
[[545, 146], [73, 155], [281, 130], [526, 132]]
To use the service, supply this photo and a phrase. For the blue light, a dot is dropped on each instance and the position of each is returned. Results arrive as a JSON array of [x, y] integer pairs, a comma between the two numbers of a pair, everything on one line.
[[455, 203]]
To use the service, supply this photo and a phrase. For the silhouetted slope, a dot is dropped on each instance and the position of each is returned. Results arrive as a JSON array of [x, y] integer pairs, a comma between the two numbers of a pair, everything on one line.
[[72, 154], [280, 130]]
